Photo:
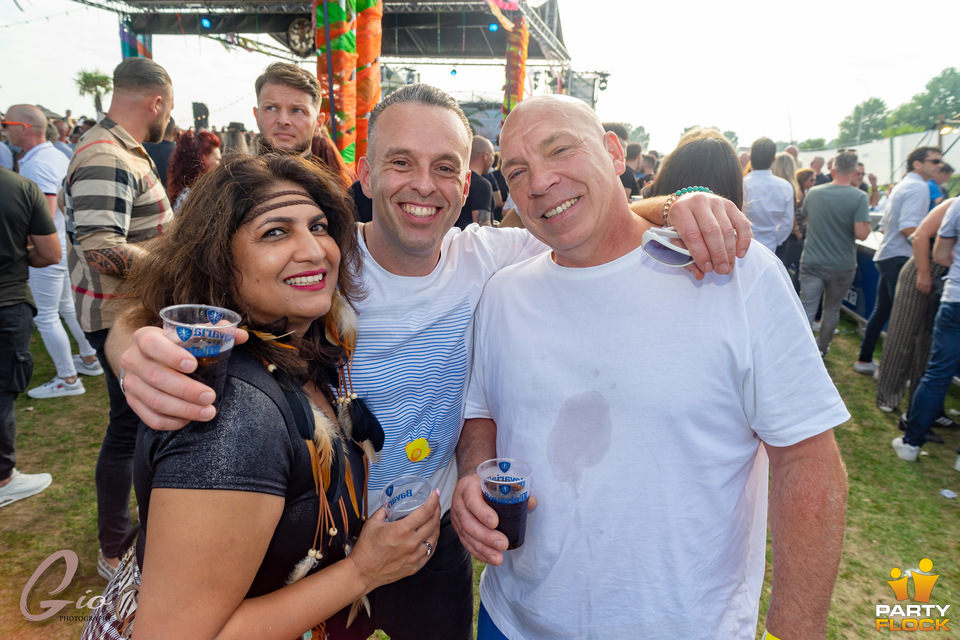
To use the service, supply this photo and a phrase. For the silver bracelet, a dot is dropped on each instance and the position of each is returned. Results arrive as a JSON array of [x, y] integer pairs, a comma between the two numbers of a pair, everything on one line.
[[121, 383]]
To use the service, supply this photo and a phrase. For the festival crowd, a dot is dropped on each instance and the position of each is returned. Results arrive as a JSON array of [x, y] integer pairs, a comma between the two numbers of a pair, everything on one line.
[[447, 302]]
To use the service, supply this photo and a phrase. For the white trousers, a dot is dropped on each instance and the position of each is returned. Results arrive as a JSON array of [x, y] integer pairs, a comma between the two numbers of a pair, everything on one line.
[[54, 300]]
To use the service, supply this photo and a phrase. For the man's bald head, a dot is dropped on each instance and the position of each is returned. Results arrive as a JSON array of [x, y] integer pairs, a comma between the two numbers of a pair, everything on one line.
[[563, 171], [573, 108], [21, 135], [63, 129], [28, 114], [481, 155]]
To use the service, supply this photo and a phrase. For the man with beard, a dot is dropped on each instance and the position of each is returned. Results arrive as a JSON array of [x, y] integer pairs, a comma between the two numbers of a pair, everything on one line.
[[115, 205], [288, 109]]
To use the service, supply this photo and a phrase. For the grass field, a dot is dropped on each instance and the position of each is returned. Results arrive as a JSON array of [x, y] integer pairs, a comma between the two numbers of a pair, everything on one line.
[[896, 514]]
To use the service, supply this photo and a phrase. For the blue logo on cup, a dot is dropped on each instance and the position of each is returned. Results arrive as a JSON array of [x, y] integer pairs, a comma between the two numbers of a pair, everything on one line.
[[389, 491], [504, 466], [184, 333], [214, 316], [504, 489]]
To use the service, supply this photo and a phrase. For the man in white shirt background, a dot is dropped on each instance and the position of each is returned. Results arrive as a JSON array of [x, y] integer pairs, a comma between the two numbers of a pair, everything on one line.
[[767, 200], [46, 166], [909, 204]]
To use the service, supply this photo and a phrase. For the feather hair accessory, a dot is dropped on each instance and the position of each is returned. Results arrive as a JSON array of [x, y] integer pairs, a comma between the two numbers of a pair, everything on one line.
[[356, 418]]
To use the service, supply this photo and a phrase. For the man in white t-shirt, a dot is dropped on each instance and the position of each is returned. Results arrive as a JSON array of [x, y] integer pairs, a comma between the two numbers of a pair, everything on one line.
[[46, 166], [651, 512], [945, 351], [768, 201], [423, 280]]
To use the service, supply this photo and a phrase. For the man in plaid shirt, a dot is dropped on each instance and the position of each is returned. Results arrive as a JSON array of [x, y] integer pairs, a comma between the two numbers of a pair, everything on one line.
[[115, 207]]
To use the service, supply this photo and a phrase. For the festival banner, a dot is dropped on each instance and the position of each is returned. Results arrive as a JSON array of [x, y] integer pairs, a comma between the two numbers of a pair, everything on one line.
[[369, 37], [337, 24]]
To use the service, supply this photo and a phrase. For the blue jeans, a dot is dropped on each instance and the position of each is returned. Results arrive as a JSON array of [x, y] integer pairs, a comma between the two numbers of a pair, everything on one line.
[[114, 475], [943, 366], [486, 629], [886, 288]]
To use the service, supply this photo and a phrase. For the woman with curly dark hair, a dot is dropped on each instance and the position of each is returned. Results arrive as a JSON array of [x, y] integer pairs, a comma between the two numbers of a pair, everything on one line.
[[251, 523], [195, 154]]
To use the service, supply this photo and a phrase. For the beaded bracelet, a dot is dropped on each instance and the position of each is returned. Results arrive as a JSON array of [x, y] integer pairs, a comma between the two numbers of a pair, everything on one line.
[[676, 196]]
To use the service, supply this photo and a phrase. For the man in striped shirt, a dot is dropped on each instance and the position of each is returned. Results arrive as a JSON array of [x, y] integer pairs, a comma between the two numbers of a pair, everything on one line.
[[115, 206]]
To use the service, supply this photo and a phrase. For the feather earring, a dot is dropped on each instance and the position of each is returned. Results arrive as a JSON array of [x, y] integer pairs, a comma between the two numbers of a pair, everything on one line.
[[356, 418]]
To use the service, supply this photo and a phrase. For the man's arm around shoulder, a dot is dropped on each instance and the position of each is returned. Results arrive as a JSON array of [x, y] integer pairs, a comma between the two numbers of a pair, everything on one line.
[[808, 497]]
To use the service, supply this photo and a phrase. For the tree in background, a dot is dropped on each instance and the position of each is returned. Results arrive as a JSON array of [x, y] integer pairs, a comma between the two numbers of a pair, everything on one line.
[[731, 136], [812, 144], [638, 134], [941, 97], [867, 123], [94, 83]]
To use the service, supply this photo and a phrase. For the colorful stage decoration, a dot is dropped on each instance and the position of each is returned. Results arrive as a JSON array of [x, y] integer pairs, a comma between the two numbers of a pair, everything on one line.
[[134, 45], [369, 38], [516, 66], [337, 69]]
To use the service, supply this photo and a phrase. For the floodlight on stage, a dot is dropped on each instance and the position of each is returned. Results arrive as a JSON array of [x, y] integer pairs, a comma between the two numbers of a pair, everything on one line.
[[494, 27], [945, 130], [205, 23]]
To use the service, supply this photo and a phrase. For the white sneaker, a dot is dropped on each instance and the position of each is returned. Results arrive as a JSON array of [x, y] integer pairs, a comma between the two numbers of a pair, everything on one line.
[[57, 388], [905, 451], [865, 367], [104, 568], [92, 369], [23, 485]]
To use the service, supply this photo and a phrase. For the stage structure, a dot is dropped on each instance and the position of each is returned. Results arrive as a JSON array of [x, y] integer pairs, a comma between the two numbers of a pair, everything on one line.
[[351, 38]]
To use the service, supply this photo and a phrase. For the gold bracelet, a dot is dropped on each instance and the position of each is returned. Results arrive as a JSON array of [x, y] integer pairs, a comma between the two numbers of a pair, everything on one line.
[[676, 196]]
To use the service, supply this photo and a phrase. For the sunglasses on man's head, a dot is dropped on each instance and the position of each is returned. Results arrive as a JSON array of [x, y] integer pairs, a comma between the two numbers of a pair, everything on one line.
[[10, 123]]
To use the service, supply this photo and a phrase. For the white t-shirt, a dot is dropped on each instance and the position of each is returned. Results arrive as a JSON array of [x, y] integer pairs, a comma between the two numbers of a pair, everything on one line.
[[909, 204], [414, 345], [950, 228], [768, 202], [47, 167], [6, 157], [646, 451]]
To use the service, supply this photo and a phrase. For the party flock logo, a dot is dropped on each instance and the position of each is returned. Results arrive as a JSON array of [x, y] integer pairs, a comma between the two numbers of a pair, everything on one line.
[[921, 616]]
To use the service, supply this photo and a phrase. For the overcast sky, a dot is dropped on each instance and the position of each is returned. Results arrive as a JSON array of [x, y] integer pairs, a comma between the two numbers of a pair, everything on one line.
[[758, 68]]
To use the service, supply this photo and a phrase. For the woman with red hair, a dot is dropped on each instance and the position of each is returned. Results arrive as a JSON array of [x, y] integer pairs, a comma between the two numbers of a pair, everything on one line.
[[195, 154], [326, 152]]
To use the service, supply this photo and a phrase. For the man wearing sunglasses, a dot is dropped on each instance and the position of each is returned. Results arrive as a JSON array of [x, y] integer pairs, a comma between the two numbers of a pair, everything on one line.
[[909, 204], [649, 456]]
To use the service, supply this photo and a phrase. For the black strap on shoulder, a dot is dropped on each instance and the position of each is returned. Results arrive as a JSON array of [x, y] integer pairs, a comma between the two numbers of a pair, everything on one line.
[[300, 407], [244, 366], [292, 402]]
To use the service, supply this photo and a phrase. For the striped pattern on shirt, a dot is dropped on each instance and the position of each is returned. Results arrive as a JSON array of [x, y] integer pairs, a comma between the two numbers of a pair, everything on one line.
[[112, 196]]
